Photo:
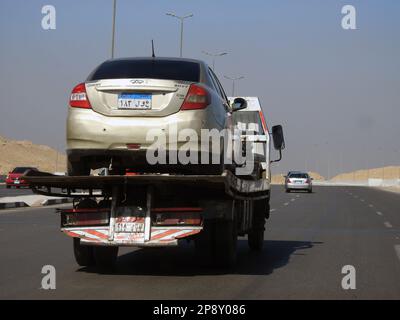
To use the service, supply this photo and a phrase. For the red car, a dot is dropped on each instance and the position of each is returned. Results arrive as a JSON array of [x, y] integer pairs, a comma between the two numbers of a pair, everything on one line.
[[14, 177]]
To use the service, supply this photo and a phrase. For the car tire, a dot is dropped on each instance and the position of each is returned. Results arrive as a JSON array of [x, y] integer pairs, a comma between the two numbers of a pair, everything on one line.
[[77, 169], [8, 187], [287, 190]]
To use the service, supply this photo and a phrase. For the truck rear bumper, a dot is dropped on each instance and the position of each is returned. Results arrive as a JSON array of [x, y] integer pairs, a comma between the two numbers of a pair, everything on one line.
[[160, 236]]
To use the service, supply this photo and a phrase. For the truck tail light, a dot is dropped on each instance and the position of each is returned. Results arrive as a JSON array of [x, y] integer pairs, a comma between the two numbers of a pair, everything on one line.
[[84, 217], [177, 216], [79, 98], [196, 98]]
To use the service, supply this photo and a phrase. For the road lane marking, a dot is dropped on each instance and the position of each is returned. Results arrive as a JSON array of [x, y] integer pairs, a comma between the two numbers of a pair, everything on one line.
[[379, 213], [298, 196], [286, 203], [362, 200], [292, 199], [397, 249], [370, 205], [387, 224], [272, 210]]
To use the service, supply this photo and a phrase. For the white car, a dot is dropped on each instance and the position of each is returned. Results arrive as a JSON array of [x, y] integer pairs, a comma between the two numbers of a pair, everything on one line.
[[297, 180]]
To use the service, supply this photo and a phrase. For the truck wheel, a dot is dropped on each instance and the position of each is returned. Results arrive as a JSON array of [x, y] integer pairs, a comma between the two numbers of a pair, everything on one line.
[[77, 169], [225, 243], [255, 236], [204, 243], [105, 257], [83, 254]]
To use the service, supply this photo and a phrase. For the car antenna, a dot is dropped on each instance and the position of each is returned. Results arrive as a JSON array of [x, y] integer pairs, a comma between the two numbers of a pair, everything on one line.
[[152, 49]]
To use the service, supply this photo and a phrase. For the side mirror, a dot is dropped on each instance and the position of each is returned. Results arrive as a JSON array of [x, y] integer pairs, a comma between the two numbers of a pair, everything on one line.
[[277, 136], [239, 104]]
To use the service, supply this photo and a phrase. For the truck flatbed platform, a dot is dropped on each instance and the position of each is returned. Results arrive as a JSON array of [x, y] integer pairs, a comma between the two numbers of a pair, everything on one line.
[[88, 186]]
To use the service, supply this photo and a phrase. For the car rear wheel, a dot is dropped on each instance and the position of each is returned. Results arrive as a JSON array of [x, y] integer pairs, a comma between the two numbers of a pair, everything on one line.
[[8, 187]]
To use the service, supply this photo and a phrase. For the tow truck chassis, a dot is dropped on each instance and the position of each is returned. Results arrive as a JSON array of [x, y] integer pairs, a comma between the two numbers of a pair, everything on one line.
[[156, 210]]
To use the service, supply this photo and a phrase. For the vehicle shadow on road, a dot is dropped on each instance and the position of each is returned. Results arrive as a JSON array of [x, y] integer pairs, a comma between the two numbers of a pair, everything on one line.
[[182, 260]]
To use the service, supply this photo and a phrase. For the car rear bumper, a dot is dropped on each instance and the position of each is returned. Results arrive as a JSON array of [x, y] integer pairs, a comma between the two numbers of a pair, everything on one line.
[[87, 129], [298, 186]]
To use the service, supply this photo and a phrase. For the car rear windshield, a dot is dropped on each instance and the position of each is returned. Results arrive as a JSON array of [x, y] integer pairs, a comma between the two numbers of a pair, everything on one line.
[[21, 169], [147, 69], [299, 175]]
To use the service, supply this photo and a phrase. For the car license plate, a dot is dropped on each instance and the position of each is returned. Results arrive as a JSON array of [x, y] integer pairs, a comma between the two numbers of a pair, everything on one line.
[[129, 227], [16, 181], [134, 101]]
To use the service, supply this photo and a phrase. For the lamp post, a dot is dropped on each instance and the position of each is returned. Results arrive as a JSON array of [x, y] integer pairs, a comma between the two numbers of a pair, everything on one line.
[[113, 29], [214, 55], [233, 82], [181, 20]]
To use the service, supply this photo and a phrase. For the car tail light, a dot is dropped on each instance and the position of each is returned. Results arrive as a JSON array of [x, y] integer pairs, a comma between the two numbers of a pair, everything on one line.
[[79, 98], [196, 98]]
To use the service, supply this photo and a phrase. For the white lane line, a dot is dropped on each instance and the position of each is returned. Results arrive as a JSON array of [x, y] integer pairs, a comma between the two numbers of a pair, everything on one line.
[[356, 197], [298, 196], [379, 213], [397, 249], [286, 203], [272, 210], [292, 199], [371, 205], [387, 224], [362, 200]]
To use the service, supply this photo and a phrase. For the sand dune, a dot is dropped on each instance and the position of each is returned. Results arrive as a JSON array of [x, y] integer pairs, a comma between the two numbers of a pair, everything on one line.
[[386, 173], [25, 153]]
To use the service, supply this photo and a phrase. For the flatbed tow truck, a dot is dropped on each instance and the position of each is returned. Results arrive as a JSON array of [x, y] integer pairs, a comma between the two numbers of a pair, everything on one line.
[[158, 210]]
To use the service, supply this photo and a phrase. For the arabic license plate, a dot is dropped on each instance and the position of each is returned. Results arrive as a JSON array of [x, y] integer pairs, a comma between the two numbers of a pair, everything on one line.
[[134, 101], [129, 227]]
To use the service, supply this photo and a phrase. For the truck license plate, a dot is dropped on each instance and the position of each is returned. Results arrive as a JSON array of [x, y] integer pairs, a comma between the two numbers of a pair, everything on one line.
[[129, 227], [134, 101]]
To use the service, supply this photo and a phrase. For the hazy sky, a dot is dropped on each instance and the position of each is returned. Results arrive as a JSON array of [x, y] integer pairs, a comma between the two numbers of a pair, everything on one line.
[[335, 91]]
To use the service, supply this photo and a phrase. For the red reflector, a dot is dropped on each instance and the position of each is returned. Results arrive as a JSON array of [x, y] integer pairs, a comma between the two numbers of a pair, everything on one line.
[[133, 146], [79, 97], [196, 98], [264, 124]]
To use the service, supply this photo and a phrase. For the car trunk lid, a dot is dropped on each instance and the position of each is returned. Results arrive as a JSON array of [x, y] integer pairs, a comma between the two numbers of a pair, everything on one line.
[[137, 97]]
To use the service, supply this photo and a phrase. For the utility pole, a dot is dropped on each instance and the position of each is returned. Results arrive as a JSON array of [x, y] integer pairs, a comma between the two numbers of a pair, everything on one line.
[[181, 20], [113, 29], [214, 55], [233, 82]]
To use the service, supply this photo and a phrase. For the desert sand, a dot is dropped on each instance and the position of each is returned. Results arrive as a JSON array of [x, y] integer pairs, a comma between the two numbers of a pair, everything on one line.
[[25, 153]]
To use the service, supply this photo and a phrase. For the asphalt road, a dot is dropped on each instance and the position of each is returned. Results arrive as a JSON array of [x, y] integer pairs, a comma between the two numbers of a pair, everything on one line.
[[310, 237], [12, 192]]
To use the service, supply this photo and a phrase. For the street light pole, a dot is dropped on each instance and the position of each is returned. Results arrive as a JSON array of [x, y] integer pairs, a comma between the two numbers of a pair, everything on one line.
[[181, 20], [233, 83], [113, 29], [214, 55]]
